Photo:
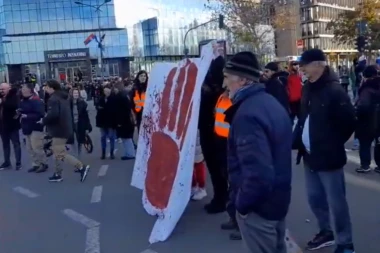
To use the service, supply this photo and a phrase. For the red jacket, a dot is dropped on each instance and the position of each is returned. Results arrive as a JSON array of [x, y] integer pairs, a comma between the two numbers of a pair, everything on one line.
[[294, 87]]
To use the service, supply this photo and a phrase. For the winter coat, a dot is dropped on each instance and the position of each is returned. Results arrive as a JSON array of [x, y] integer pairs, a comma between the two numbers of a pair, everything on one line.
[[259, 154], [34, 109], [58, 119], [198, 150], [275, 87], [83, 123], [331, 123], [294, 87], [107, 112], [368, 109], [125, 125], [9, 121]]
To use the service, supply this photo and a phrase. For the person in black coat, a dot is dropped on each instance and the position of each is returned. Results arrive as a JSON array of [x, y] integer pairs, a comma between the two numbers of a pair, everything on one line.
[[126, 124], [107, 120], [276, 84], [81, 120], [368, 113], [10, 124], [214, 147]]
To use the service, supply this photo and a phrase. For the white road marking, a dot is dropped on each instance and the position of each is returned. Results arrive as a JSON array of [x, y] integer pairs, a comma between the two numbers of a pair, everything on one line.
[[80, 218], [103, 171], [93, 240], [149, 251], [97, 194], [25, 192]]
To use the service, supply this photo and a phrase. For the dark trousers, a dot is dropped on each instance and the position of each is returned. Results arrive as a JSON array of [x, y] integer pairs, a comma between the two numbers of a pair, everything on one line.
[[215, 154], [365, 152], [7, 138], [295, 109]]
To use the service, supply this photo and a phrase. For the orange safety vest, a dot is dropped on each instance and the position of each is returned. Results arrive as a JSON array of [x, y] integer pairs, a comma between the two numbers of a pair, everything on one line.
[[139, 101], [221, 127]]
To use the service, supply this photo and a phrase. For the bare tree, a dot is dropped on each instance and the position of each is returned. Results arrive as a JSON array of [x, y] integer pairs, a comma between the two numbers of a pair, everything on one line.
[[253, 22]]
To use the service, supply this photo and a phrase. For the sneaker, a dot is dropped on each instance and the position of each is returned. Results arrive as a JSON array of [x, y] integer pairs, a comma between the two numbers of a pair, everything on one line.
[[345, 249], [235, 236], [43, 168], [229, 225], [193, 191], [363, 170], [18, 166], [323, 239], [200, 194], [377, 170], [83, 172], [56, 178], [5, 166], [33, 169]]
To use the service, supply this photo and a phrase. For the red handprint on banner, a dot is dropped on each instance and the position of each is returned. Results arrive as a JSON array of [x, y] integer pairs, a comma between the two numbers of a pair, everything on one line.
[[168, 137]]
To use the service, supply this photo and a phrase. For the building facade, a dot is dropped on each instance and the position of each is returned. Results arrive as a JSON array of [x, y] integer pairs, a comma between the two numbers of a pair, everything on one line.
[[161, 36], [46, 38], [315, 15]]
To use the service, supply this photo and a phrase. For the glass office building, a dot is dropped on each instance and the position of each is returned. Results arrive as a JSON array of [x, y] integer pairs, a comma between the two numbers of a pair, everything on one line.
[[46, 37], [315, 15]]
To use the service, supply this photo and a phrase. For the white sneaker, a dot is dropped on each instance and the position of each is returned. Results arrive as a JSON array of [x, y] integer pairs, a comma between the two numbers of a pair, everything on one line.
[[194, 190], [200, 194]]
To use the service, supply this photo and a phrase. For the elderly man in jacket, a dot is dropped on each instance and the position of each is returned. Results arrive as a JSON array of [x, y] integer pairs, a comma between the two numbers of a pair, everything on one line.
[[259, 157]]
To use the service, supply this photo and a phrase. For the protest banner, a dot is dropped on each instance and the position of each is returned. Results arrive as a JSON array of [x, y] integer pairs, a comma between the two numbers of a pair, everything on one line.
[[166, 145]]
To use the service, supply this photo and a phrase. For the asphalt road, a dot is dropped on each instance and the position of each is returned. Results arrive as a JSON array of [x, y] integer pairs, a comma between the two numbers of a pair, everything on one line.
[[105, 214]]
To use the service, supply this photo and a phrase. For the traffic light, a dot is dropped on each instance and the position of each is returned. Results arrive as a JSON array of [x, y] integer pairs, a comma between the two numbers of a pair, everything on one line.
[[221, 21], [362, 42]]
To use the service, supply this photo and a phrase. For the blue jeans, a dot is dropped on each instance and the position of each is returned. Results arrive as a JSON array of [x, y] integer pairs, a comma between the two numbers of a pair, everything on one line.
[[365, 152], [326, 191], [107, 133], [129, 148]]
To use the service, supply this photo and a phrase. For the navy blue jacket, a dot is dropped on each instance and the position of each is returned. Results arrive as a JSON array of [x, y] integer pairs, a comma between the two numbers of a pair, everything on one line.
[[259, 154], [34, 109]]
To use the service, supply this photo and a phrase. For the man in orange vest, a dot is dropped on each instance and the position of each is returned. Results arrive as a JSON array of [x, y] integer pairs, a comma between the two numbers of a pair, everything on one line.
[[221, 130]]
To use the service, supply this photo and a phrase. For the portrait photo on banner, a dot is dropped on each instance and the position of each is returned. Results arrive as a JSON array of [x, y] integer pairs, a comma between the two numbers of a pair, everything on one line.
[[164, 162]]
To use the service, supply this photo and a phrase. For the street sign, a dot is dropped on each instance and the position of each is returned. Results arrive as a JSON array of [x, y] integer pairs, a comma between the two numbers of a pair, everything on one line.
[[299, 44]]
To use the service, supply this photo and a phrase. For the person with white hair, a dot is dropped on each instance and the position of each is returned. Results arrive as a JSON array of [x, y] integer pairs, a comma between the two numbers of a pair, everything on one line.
[[10, 124]]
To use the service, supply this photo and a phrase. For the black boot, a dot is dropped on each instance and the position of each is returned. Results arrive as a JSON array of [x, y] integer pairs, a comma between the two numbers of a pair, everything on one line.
[[103, 154], [112, 155]]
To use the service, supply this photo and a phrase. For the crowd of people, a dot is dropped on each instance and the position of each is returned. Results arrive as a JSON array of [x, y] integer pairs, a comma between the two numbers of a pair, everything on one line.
[[246, 135], [54, 120]]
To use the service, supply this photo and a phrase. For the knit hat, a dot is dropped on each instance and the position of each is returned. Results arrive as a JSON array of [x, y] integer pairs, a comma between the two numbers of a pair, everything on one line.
[[312, 55], [272, 66], [244, 64], [370, 71]]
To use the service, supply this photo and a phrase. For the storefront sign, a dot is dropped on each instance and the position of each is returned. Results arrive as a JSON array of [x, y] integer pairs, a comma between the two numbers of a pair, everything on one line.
[[67, 55]]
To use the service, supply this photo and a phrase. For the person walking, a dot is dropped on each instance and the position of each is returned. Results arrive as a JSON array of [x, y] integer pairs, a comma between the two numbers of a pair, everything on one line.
[[327, 121], [259, 157], [126, 124], [368, 113], [81, 121], [58, 122], [32, 110], [10, 125], [107, 120]]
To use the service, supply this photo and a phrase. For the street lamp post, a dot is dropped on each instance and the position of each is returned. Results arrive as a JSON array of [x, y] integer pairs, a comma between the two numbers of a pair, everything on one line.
[[100, 46]]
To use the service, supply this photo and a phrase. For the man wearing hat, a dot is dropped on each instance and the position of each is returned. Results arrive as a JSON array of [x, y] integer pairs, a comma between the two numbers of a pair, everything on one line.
[[327, 121], [259, 157]]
